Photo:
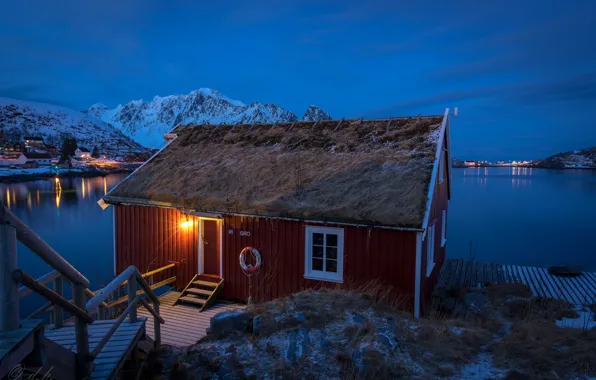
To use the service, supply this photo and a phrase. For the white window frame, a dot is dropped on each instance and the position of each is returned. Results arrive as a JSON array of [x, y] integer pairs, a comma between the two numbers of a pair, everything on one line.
[[311, 274], [430, 250], [444, 229]]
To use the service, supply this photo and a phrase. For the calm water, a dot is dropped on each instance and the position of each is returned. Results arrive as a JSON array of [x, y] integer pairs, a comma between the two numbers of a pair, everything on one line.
[[524, 216], [506, 215], [65, 215]]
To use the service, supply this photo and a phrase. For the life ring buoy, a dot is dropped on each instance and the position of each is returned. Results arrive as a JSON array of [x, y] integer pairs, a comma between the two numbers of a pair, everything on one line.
[[249, 268]]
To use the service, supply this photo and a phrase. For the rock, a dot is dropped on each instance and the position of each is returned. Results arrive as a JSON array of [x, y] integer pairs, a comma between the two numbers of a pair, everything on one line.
[[225, 372], [357, 319], [230, 321], [300, 316], [257, 325], [385, 341], [291, 352], [304, 343]]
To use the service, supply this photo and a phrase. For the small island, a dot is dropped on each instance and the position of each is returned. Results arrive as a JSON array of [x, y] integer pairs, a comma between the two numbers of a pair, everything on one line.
[[577, 159]]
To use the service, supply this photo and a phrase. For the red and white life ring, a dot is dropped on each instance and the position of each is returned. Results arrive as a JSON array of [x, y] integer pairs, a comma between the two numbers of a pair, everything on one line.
[[250, 269]]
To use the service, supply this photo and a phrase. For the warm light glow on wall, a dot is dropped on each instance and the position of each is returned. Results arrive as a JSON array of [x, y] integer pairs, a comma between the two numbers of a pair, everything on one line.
[[186, 224]]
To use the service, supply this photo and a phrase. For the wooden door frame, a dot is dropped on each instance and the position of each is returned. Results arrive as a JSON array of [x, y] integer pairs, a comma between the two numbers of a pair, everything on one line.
[[219, 251]]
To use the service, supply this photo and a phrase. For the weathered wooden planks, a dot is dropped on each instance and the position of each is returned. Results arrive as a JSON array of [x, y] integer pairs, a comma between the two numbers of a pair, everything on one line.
[[580, 290], [114, 353], [185, 325], [15, 345]]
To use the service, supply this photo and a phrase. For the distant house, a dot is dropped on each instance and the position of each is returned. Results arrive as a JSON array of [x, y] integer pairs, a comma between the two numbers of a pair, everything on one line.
[[326, 203], [470, 163], [33, 141], [50, 148], [39, 158], [82, 152], [30, 164], [18, 147]]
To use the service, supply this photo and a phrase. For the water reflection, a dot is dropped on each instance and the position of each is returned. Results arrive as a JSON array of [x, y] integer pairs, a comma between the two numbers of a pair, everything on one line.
[[35, 194], [70, 221]]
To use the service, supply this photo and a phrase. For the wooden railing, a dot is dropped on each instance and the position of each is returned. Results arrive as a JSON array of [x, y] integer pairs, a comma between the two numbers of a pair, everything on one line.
[[13, 229], [132, 278]]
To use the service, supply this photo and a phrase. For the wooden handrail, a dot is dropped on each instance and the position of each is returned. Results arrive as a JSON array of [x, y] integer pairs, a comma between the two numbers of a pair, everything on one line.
[[48, 277], [89, 294], [114, 327], [150, 309], [115, 285], [140, 292], [36, 244], [145, 275], [23, 278]]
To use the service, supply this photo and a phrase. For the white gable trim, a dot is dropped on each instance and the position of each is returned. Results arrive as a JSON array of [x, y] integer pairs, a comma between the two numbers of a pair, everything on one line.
[[418, 277], [433, 178]]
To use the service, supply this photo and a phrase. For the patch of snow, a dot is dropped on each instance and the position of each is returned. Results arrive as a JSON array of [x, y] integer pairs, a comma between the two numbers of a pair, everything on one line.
[[480, 369], [584, 321]]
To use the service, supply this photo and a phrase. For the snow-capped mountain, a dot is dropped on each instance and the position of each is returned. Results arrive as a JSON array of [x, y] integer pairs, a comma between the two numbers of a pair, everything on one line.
[[20, 118], [577, 159], [314, 113], [147, 122]]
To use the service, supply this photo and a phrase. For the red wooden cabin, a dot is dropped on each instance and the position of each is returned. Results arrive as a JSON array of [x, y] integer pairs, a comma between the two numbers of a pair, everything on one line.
[[325, 203]]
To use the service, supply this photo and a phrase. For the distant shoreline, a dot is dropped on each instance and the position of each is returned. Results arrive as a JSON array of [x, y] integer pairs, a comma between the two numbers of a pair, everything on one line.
[[84, 173]]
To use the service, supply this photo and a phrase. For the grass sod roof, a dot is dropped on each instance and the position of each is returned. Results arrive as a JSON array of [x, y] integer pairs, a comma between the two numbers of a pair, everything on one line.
[[362, 172]]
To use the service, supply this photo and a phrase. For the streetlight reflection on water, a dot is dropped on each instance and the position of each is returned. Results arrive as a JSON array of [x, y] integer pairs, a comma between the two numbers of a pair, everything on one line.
[[62, 190]]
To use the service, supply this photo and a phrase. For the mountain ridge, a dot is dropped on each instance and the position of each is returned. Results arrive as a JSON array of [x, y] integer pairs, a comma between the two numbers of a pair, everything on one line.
[[576, 159], [19, 118], [147, 122]]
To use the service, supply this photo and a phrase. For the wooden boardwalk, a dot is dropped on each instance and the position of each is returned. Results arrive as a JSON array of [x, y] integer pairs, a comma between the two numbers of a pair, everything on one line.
[[113, 355], [185, 325], [579, 290], [17, 344]]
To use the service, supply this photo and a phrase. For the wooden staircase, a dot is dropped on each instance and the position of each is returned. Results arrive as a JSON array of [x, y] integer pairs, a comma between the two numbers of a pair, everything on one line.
[[201, 291], [92, 347]]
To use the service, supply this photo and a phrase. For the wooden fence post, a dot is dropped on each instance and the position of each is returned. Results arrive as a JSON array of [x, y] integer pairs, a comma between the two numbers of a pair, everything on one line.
[[58, 311], [82, 337], [157, 327], [9, 301], [132, 294]]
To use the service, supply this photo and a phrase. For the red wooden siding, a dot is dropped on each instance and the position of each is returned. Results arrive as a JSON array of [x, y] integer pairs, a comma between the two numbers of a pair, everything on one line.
[[151, 237], [440, 202], [369, 254]]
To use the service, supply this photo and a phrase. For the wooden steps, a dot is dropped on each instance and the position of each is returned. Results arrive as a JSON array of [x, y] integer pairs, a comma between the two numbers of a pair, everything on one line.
[[16, 345], [201, 291]]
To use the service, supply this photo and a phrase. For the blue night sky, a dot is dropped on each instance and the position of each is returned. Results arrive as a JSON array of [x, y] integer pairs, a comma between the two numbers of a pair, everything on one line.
[[523, 73]]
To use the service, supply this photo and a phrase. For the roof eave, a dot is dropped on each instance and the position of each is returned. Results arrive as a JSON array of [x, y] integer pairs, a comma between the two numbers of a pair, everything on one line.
[[433, 178], [152, 203]]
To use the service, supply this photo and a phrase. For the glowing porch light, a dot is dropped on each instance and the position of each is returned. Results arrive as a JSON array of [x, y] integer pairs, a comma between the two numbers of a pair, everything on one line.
[[186, 224]]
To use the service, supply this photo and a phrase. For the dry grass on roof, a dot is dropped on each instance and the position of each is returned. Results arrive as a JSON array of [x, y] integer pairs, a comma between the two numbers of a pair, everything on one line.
[[361, 171]]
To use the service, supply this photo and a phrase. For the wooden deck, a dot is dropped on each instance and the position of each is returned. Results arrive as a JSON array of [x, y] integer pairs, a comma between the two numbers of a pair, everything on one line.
[[17, 344], [580, 290], [114, 353], [185, 325]]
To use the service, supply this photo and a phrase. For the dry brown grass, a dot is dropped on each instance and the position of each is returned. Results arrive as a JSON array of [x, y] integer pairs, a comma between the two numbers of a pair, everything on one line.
[[359, 173], [539, 310], [321, 307], [450, 342], [540, 348], [500, 292]]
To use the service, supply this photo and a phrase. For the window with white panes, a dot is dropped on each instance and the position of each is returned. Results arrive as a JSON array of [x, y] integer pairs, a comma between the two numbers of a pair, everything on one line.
[[324, 253]]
